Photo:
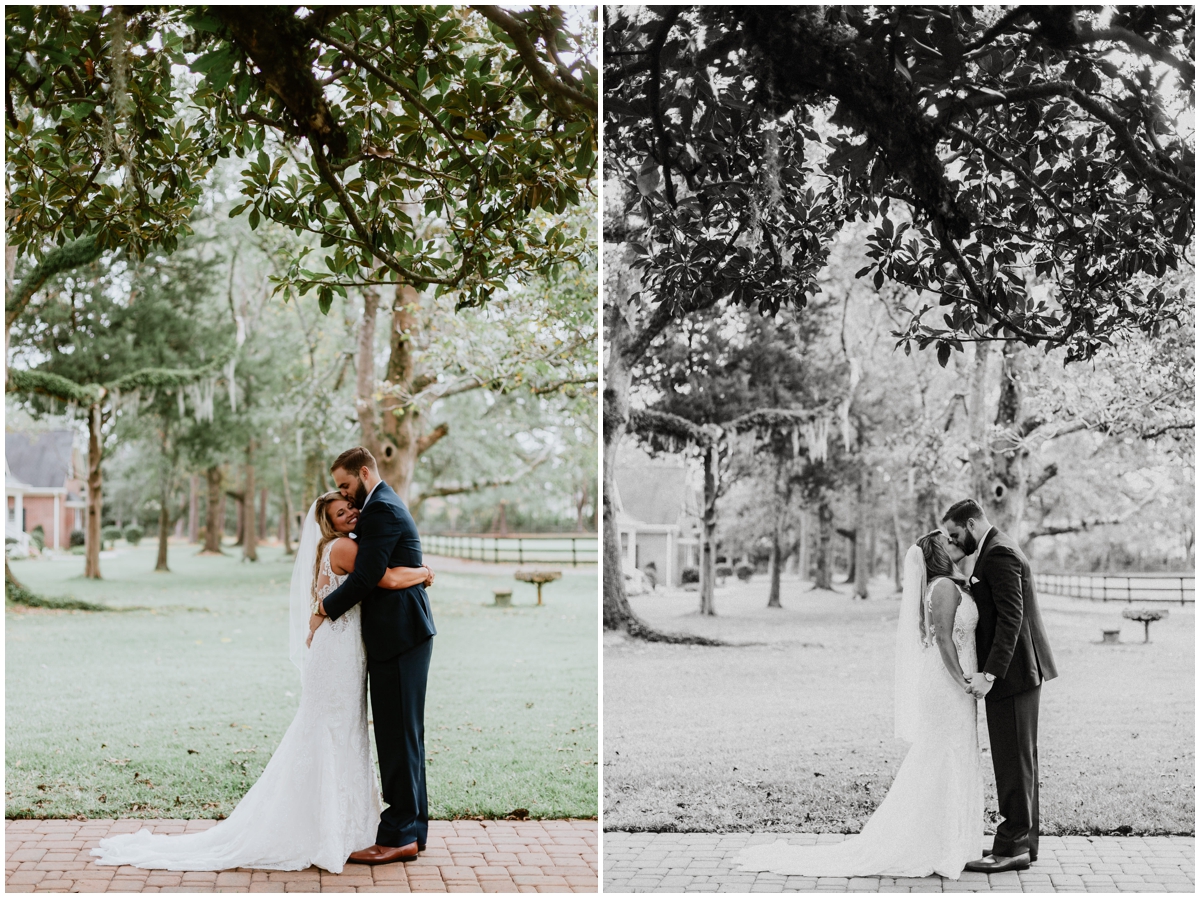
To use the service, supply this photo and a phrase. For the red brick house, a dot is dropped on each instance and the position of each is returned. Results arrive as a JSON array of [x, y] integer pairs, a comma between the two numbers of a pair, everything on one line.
[[43, 485]]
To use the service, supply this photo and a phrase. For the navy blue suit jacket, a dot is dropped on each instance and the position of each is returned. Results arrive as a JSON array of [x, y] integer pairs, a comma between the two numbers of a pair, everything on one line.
[[393, 620], [1010, 638]]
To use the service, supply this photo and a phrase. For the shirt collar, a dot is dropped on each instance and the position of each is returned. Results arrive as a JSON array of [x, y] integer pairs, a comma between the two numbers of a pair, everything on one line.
[[370, 494]]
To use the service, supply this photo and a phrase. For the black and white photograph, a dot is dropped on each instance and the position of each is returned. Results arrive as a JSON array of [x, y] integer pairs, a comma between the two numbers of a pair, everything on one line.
[[301, 448], [898, 448]]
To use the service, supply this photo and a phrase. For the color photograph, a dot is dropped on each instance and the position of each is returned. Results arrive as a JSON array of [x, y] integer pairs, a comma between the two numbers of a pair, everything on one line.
[[301, 449]]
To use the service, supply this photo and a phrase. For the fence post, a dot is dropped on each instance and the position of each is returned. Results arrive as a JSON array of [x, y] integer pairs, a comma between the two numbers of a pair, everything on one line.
[[520, 551], [575, 559], [1128, 590]]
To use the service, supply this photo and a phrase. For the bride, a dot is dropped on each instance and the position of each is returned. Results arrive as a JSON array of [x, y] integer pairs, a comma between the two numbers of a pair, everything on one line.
[[930, 820], [317, 800]]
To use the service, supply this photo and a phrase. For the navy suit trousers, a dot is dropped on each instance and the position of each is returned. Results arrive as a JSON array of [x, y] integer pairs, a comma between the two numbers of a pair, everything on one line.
[[398, 710]]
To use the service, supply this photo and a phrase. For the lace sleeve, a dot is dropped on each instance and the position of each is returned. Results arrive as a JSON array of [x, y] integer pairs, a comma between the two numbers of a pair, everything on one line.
[[324, 579]]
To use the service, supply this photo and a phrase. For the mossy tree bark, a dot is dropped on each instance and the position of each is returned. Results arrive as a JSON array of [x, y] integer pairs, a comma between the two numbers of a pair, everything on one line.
[[213, 524]]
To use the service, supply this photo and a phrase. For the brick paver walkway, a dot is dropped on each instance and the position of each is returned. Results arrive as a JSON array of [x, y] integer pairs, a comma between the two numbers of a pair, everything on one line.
[[460, 856], [703, 862]]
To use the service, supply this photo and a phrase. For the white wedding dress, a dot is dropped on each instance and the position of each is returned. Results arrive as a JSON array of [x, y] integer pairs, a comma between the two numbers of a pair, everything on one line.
[[317, 800], [931, 820]]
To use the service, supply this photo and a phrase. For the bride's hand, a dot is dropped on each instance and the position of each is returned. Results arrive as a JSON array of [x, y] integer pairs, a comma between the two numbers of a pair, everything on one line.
[[428, 580], [313, 622]]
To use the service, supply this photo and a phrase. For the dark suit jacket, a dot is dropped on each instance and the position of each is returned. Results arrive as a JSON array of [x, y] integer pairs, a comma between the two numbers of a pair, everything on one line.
[[393, 620], [1010, 639]]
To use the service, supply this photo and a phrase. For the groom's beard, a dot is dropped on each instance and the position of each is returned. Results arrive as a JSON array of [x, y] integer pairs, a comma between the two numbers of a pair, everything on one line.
[[360, 495], [969, 543]]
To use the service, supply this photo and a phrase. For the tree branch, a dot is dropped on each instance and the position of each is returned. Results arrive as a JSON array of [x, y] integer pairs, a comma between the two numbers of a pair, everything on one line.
[[1115, 123], [559, 384], [429, 440], [458, 489], [60, 259], [519, 34], [1016, 170], [335, 185], [1142, 45], [1089, 523]]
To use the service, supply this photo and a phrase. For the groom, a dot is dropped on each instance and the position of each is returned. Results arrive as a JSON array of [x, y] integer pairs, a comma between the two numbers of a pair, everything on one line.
[[1015, 660], [398, 632]]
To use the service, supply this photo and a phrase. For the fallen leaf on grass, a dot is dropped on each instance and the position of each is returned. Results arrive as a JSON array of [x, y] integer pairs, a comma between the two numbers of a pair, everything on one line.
[[193, 751], [120, 762]]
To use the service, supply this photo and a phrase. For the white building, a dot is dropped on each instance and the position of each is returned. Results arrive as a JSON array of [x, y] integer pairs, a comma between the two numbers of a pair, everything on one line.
[[658, 514]]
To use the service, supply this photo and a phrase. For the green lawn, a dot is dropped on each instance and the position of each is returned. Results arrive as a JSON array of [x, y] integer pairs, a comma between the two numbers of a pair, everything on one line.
[[173, 711], [794, 731]]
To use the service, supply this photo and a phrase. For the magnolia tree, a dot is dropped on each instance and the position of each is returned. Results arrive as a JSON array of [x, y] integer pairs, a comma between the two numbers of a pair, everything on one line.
[[418, 154], [1026, 171]]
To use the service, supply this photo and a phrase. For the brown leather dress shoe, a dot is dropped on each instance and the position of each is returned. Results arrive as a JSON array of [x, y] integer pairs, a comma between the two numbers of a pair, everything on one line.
[[994, 863], [385, 854]]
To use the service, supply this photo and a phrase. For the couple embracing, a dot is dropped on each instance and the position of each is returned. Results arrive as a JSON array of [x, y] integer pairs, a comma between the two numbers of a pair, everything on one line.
[[959, 639], [358, 612]]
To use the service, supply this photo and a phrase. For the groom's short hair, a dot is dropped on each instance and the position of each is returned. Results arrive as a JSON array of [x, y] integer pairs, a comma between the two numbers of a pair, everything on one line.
[[354, 460], [963, 511]]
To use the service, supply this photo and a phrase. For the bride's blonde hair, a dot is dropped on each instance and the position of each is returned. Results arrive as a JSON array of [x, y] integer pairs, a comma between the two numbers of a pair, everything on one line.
[[328, 533]]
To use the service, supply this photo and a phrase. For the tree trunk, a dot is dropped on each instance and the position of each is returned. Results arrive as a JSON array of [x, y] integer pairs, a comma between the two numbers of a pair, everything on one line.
[[164, 531], [365, 403], [977, 435], [824, 574], [240, 520], [1004, 501], [223, 515], [618, 615], [802, 543], [776, 566], [898, 548], [95, 504], [285, 517], [249, 526], [861, 563], [313, 481], [782, 499], [164, 510], [872, 547], [579, 506], [262, 514], [402, 426], [194, 509], [708, 549], [213, 523]]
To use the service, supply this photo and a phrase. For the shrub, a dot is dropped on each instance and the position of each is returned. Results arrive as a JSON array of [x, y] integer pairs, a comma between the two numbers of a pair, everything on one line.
[[723, 570], [745, 571], [690, 575], [38, 535], [133, 534], [110, 535], [76, 539]]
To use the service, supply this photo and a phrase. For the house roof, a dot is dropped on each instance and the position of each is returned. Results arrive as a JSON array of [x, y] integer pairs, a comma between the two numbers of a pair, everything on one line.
[[653, 490], [39, 459]]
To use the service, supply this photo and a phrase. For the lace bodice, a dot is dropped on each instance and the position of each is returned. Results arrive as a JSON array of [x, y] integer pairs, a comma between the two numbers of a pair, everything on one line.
[[327, 582], [966, 618]]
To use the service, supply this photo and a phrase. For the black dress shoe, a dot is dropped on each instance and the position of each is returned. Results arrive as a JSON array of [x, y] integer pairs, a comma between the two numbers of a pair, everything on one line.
[[993, 863], [421, 847]]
